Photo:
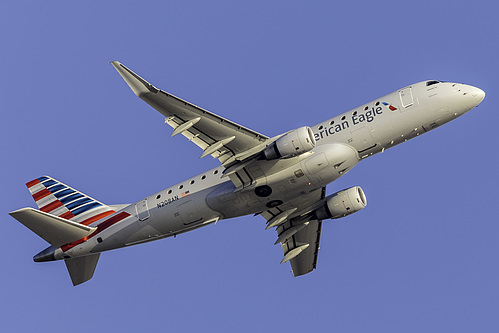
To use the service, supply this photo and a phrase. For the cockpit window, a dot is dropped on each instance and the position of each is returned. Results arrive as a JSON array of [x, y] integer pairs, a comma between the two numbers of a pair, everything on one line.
[[430, 83]]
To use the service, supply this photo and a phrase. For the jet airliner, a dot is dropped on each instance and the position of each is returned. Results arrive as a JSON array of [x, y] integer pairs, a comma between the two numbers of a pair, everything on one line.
[[281, 178]]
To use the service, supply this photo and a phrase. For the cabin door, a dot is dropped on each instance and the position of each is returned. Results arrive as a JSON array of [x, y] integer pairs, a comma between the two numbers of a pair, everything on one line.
[[406, 97]]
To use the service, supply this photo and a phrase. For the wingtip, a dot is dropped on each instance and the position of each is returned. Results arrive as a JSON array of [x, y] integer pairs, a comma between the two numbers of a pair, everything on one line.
[[134, 81], [17, 212]]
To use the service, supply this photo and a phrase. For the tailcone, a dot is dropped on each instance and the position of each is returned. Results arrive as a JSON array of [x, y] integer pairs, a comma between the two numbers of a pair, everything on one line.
[[45, 255]]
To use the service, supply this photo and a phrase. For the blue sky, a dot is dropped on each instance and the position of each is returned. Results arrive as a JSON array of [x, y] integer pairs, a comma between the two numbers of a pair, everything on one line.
[[422, 257]]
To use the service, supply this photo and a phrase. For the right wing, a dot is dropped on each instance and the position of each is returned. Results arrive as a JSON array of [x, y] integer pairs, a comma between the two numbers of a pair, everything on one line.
[[298, 230], [217, 136]]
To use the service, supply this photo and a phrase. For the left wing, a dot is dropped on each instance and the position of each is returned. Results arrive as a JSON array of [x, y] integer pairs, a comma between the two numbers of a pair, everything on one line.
[[298, 230], [217, 136]]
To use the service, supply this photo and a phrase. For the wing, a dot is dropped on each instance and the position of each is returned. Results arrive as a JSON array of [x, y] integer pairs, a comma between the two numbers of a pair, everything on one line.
[[298, 230], [217, 136]]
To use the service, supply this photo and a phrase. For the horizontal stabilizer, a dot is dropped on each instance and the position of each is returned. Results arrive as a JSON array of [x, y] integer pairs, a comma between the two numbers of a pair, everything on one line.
[[81, 269], [55, 230]]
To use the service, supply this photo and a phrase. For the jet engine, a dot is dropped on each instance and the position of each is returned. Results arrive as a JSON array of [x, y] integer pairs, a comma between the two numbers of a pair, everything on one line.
[[291, 144], [342, 203]]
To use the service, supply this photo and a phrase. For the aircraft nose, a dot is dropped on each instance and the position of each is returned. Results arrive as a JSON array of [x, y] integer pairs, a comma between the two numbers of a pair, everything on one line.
[[478, 94], [473, 96]]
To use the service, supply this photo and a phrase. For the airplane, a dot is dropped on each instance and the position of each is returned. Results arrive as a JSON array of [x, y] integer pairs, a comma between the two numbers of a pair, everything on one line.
[[281, 178]]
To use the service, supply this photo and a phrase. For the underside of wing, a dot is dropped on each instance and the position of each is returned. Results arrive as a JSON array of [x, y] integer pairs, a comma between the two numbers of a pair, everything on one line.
[[298, 231], [217, 136], [307, 242]]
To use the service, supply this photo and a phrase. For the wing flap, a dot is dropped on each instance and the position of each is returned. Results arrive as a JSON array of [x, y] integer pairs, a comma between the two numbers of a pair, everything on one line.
[[55, 230]]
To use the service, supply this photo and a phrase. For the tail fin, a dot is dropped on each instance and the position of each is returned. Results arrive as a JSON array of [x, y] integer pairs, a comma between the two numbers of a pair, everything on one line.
[[55, 230], [82, 269], [58, 199]]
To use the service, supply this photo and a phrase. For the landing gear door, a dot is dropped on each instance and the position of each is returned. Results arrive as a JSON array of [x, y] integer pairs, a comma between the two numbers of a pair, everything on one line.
[[406, 97], [142, 210]]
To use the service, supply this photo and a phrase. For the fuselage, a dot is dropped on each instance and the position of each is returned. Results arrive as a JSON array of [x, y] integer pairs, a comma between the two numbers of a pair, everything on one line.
[[341, 142]]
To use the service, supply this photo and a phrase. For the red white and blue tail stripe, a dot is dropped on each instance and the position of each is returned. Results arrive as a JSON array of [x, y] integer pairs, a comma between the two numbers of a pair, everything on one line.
[[58, 199]]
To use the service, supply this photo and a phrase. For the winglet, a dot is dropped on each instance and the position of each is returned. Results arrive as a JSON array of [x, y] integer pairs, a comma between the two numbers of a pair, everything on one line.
[[135, 82]]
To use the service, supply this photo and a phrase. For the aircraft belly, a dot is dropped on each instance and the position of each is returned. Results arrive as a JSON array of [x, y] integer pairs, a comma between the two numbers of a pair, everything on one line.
[[178, 216], [341, 158], [307, 174], [153, 218], [231, 203]]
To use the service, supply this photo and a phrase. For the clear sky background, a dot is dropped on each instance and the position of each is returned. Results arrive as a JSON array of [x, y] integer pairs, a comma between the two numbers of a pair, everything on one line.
[[422, 257]]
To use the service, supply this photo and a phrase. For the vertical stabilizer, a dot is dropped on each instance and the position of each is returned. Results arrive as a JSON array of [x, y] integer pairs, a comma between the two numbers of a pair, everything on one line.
[[56, 198], [82, 269]]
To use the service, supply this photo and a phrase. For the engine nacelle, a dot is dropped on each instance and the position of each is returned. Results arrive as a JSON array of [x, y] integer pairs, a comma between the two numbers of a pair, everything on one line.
[[291, 144], [342, 203]]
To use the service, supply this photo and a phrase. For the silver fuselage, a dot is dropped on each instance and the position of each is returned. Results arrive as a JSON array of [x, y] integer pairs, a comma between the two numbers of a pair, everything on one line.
[[345, 139]]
